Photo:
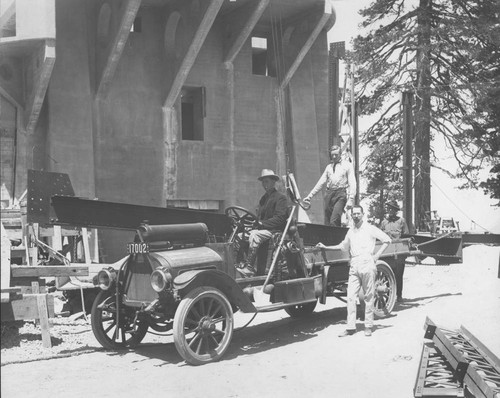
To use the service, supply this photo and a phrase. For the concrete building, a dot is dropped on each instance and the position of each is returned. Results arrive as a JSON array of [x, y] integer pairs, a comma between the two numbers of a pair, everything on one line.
[[155, 101]]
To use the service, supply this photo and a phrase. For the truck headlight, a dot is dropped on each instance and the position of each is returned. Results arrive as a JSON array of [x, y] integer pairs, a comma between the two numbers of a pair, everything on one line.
[[160, 280], [106, 278]]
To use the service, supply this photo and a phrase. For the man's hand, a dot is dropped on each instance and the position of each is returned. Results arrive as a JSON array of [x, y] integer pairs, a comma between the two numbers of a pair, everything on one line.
[[307, 199], [349, 204], [320, 245], [257, 225]]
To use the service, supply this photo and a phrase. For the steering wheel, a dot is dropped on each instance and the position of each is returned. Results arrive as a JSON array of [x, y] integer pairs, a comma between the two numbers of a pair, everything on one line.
[[243, 222]]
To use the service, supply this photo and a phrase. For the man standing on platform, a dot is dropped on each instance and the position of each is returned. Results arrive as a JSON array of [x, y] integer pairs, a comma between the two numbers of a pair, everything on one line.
[[340, 183]]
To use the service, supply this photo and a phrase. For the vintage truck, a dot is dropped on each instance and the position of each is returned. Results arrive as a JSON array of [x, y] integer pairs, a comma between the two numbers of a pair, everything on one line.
[[181, 277]]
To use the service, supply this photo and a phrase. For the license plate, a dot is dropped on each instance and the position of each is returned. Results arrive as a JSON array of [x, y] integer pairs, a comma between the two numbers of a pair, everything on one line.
[[137, 248]]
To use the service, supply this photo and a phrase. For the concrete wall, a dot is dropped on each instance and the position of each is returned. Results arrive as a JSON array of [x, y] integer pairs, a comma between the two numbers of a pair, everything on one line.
[[128, 150], [69, 137]]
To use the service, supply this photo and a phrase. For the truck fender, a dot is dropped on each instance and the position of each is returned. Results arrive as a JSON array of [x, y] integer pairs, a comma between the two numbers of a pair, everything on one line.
[[190, 280]]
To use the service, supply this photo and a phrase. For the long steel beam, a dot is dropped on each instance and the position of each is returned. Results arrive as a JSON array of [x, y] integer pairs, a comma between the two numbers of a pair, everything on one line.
[[100, 214]]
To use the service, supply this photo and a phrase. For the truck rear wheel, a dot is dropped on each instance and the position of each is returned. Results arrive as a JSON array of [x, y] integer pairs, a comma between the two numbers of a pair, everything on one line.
[[203, 326], [385, 290]]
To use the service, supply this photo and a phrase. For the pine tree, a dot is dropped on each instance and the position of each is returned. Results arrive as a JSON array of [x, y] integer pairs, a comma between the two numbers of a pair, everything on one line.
[[444, 52]]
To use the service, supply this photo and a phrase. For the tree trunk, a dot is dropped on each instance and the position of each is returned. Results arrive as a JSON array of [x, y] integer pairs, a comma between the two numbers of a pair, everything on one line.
[[423, 116]]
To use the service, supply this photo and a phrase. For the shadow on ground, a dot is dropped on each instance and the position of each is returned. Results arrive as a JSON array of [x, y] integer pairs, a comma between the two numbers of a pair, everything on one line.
[[251, 339], [407, 304]]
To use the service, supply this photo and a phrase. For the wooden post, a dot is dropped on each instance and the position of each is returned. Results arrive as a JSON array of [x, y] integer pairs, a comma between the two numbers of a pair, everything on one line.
[[43, 314], [407, 100], [86, 245], [95, 246], [57, 238], [33, 251]]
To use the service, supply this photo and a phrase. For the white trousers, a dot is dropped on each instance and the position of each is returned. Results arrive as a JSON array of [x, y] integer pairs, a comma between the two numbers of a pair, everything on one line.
[[362, 275], [257, 236]]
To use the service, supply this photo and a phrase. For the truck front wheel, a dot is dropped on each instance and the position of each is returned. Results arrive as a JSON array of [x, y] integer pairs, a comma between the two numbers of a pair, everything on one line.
[[203, 326]]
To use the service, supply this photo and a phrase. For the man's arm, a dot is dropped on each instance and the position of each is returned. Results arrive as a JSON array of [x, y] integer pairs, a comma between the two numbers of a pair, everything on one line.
[[405, 230], [344, 245], [319, 185]]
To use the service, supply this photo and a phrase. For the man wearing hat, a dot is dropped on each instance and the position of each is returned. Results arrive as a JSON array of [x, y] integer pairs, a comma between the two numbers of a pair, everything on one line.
[[340, 183], [395, 226], [272, 214]]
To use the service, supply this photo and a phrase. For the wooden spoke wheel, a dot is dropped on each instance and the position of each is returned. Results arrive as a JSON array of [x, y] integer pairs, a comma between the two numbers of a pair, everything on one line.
[[203, 326], [385, 290], [301, 310], [243, 222], [111, 334]]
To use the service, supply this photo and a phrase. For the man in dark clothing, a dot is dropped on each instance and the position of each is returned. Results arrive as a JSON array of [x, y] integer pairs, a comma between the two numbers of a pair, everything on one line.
[[395, 226], [272, 214]]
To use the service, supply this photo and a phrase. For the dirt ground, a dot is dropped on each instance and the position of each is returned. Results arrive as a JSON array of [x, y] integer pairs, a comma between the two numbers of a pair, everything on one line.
[[275, 356]]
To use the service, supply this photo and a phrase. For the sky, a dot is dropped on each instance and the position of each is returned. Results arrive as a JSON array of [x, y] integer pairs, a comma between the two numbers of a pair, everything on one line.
[[474, 210]]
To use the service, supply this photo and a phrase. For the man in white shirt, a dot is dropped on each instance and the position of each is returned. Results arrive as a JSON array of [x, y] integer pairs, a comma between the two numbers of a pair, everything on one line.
[[340, 183], [360, 243]]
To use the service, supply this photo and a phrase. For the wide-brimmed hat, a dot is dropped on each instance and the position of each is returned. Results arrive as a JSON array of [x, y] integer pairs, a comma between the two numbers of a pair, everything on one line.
[[393, 204], [268, 173]]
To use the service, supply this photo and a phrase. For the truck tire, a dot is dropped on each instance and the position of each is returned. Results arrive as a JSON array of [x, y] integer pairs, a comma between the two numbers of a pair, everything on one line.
[[203, 325]]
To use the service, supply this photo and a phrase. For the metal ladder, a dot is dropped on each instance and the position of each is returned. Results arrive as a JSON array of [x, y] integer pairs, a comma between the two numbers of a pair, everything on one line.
[[470, 365]]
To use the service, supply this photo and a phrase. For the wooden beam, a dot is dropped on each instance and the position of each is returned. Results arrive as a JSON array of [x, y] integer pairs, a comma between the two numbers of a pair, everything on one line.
[[192, 52], [323, 21], [48, 270], [26, 308], [116, 51], [246, 30], [35, 99]]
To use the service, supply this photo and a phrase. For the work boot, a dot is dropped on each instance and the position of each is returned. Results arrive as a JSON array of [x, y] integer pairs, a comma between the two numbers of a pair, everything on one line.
[[247, 270]]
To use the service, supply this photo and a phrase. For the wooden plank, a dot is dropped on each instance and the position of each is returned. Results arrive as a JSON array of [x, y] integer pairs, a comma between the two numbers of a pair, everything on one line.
[[25, 308], [44, 319], [48, 270], [86, 245], [4, 264], [11, 290]]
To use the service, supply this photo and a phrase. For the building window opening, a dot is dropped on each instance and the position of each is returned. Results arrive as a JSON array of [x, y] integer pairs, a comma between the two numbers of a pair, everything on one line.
[[192, 113], [136, 26], [259, 56]]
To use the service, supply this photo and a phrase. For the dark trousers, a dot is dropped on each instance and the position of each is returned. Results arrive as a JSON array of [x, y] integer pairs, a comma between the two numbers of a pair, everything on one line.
[[335, 201], [399, 268]]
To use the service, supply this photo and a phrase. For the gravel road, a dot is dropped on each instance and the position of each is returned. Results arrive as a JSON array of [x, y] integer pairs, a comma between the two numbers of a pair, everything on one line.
[[275, 356]]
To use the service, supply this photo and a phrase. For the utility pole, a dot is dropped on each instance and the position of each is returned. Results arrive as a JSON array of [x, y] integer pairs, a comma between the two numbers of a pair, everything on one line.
[[355, 133], [337, 51], [407, 101]]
